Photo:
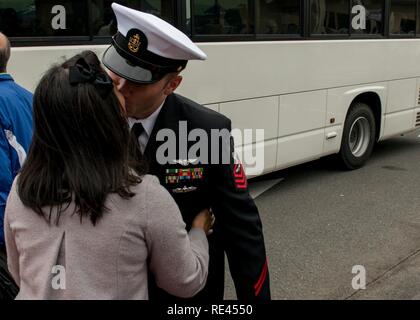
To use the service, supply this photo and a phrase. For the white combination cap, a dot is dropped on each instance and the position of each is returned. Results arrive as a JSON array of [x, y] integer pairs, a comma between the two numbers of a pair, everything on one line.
[[146, 47]]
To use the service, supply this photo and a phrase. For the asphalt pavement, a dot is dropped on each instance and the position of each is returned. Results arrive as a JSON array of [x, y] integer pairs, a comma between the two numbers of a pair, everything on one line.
[[319, 222]]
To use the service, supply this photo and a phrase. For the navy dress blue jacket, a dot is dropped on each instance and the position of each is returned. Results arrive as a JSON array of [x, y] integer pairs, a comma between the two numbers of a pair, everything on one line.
[[238, 229]]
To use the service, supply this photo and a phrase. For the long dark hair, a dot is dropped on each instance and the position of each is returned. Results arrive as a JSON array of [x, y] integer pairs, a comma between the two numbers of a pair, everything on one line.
[[80, 148]]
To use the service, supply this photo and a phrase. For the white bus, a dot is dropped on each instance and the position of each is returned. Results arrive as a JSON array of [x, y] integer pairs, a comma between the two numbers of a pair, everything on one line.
[[320, 77]]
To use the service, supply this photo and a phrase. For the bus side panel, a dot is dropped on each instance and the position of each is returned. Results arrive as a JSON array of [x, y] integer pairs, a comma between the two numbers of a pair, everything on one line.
[[214, 107], [243, 70], [417, 103], [400, 114], [254, 128], [299, 148], [258, 158], [301, 127], [28, 65]]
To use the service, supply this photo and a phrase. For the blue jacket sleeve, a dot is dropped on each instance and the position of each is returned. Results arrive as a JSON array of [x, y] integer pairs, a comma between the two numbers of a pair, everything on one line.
[[6, 178]]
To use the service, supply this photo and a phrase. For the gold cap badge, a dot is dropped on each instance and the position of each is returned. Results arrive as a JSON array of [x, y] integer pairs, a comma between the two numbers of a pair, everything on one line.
[[134, 43]]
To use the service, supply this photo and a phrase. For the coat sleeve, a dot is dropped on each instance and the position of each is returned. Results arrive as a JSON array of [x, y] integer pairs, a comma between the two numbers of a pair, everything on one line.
[[238, 221], [6, 178], [12, 251], [178, 260]]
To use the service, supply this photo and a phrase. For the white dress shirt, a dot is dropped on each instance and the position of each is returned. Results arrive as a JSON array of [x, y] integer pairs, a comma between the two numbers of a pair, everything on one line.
[[148, 124]]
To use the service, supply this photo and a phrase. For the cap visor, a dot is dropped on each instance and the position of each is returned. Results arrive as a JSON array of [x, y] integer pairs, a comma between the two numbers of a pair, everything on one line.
[[121, 67]]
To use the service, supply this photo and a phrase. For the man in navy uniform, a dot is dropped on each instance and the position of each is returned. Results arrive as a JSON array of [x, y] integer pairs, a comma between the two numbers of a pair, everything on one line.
[[144, 60], [15, 138]]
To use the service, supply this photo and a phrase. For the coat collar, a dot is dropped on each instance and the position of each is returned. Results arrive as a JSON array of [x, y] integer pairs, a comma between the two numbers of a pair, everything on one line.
[[168, 118], [5, 77]]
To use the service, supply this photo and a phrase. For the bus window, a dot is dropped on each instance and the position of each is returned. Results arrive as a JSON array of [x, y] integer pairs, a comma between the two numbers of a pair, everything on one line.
[[278, 17], [222, 17], [418, 17], [103, 17], [41, 18], [373, 23], [330, 16], [402, 17]]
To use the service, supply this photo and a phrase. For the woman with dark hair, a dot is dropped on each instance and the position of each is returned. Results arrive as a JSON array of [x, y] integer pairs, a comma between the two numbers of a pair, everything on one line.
[[83, 221]]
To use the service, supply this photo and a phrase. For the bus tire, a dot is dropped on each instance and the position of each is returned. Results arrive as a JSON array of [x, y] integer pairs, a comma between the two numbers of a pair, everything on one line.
[[358, 136]]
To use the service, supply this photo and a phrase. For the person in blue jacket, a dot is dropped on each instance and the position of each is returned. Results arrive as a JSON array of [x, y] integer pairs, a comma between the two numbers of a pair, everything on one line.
[[15, 129]]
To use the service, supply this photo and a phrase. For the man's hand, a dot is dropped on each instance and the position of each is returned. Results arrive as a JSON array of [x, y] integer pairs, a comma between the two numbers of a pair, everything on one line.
[[204, 220]]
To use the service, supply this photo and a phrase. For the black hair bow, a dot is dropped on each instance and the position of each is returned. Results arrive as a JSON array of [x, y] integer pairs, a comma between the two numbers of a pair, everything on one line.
[[82, 72]]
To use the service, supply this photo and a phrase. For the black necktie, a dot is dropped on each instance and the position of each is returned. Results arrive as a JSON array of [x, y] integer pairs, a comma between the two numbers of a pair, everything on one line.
[[136, 131]]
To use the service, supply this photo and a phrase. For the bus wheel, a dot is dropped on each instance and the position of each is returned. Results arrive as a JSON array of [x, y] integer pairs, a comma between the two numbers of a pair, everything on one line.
[[358, 136]]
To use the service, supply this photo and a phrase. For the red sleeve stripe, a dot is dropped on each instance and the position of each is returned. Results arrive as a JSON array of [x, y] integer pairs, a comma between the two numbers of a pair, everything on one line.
[[258, 286]]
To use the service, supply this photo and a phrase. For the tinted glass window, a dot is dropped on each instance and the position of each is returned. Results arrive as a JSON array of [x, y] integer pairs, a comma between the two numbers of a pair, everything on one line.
[[418, 17], [104, 23], [402, 17], [330, 16], [29, 18], [222, 17], [278, 17], [367, 17]]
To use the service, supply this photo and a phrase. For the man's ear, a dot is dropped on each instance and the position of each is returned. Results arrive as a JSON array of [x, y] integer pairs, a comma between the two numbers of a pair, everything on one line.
[[172, 85]]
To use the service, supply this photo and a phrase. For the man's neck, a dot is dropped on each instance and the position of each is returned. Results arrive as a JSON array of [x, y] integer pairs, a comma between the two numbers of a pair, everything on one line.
[[144, 114]]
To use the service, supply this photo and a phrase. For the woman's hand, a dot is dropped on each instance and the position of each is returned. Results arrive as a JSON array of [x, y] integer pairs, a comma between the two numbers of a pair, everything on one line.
[[204, 220]]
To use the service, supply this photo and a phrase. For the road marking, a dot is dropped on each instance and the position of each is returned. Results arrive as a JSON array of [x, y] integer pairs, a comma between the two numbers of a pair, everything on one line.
[[259, 187]]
